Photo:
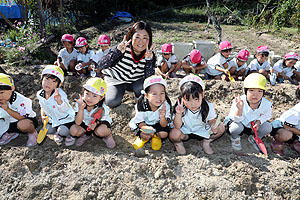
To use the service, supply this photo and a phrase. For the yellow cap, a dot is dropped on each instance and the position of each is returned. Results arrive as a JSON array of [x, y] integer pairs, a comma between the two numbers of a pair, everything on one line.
[[6, 80], [255, 80], [54, 70], [96, 85]]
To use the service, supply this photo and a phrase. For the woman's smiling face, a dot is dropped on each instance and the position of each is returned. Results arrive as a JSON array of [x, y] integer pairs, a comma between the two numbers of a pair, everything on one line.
[[140, 41]]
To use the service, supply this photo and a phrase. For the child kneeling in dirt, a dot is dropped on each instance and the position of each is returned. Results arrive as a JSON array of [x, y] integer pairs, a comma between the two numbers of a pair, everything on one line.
[[217, 66], [261, 64], [194, 116], [67, 57], [104, 43], [153, 114], [84, 58], [286, 129], [55, 105], [92, 115], [250, 107], [16, 114], [240, 64], [167, 63], [194, 63]]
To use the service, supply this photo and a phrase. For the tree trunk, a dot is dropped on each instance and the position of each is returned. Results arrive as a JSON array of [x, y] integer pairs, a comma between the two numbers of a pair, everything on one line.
[[7, 21], [42, 19], [214, 22]]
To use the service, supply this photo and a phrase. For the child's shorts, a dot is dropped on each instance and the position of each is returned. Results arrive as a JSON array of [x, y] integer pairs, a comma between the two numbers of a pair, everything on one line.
[[92, 131], [13, 127], [157, 127]]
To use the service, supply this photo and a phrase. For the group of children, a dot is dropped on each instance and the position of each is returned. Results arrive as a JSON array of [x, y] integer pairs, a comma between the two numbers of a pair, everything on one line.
[[192, 116]]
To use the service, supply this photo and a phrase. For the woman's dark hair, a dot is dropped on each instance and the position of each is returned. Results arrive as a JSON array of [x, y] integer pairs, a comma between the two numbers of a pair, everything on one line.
[[141, 25], [143, 104], [52, 77], [194, 90], [298, 92], [5, 87]]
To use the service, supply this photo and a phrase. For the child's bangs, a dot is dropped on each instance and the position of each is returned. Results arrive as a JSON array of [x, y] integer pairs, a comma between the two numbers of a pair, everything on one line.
[[191, 89], [51, 76], [5, 87]]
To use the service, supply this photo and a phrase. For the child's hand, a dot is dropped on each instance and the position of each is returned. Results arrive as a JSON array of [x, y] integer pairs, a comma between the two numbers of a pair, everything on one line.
[[4, 105], [122, 46], [81, 104], [92, 126], [149, 53], [179, 108], [162, 112], [57, 97], [239, 102], [225, 65]]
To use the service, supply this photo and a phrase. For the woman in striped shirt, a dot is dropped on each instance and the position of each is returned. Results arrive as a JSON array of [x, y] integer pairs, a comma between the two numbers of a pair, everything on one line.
[[127, 66]]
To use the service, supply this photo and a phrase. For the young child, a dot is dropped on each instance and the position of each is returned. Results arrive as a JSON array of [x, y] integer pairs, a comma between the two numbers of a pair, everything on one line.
[[91, 102], [217, 66], [104, 43], [67, 57], [16, 113], [194, 116], [167, 63], [84, 57], [286, 129], [153, 114], [240, 64], [261, 64], [250, 107], [284, 69], [194, 63], [55, 105]]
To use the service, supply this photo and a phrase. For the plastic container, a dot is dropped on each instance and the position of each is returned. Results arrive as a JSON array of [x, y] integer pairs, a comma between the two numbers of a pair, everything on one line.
[[182, 49], [206, 48]]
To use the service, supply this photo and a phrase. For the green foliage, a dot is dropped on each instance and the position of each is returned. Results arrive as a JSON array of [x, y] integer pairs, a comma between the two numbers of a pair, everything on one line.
[[287, 14]]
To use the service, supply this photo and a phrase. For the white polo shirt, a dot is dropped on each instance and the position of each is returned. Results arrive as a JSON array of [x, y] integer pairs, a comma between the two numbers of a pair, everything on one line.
[[278, 67], [85, 57], [4, 121], [233, 63], [170, 61], [66, 57], [99, 54], [216, 60], [254, 65]]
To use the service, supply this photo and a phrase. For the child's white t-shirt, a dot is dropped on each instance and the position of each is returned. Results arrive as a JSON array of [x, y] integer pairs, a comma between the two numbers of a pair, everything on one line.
[[233, 63], [297, 66], [66, 57], [99, 54], [85, 57], [87, 116], [216, 60], [262, 113], [170, 61], [278, 67], [254, 65], [148, 116], [4, 121], [192, 122]]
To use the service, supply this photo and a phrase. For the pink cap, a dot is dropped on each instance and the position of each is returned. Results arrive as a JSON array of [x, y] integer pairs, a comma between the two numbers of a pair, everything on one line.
[[103, 39], [225, 45], [80, 42], [243, 55], [195, 56], [67, 38], [262, 49], [291, 55], [166, 48]]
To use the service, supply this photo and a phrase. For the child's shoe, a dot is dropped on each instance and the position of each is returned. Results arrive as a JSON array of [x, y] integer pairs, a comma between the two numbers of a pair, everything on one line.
[[7, 137], [206, 146], [109, 141], [32, 139], [57, 138], [252, 141], [295, 146], [139, 143], [180, 148], [156, 143], [236, 143], [69, 141], [80, 141], [277, 147]]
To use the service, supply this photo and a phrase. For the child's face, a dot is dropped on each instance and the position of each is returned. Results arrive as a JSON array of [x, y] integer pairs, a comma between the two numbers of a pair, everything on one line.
[[166, 55], [82, 49], [140, 41], [49, 84], [104, 47], [5, 95], [226, 53], [156, 95], [91, 98], [193, 103], [68, 45], [240, 62], [290, 62], [254, 95], [262, 57]]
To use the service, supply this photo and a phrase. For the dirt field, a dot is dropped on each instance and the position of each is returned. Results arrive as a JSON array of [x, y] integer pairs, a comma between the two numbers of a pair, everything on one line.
[[49, 171]]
